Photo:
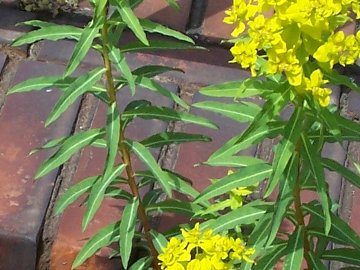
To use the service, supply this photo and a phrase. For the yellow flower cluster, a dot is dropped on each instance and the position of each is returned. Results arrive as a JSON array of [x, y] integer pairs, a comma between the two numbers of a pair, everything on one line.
[[293, 33], [204, 251]]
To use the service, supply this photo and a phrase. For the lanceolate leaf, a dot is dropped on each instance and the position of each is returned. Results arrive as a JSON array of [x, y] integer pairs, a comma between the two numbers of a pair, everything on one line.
[[345, 172], [234, 161], [97, 195], [40, 83], [153, 27], [173, 4], [49, 33], [243, 178], [156, 45], [120, 62], [285, 148], [51, 144], [69, 147], [73, 193], [81, 48], [338, 79], [174, 206], [127, 230], [167, 114], [314, 160], [76, 89], [103, 238], [141, 264], [146, 157], [315, 262], [149, 71], [159, 240], [246, 214], [131, 20], [345, 255], [295, 250], [237, 111], [166, 138], [271, 258]]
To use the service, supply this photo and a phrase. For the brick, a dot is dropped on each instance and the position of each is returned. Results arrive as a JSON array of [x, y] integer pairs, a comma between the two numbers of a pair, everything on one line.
[[70, 238], [160, 11], [23, 201], [213, 25], [2, 60], [9, 17]]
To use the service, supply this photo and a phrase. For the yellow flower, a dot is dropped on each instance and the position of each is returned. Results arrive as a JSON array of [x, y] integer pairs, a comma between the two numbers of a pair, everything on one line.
[[245, 54], [240, 252], [314, 85], [174, 254]]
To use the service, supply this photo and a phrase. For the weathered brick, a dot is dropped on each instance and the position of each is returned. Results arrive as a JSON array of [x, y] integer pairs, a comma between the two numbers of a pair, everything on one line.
[[213, 26]]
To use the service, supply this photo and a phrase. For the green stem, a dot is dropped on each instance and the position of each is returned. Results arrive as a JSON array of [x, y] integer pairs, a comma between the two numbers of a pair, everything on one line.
[[111, 90]]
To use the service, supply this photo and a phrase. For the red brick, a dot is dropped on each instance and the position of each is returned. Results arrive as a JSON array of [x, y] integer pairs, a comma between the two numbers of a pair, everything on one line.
[[213, 25], [70, 238], [23, 201]]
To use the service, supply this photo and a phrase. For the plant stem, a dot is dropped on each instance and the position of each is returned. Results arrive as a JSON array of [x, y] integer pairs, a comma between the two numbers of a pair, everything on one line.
[[122, 148]]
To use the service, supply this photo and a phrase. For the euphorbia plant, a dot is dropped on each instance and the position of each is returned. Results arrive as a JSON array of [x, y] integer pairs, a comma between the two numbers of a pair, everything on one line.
[[292, 53]]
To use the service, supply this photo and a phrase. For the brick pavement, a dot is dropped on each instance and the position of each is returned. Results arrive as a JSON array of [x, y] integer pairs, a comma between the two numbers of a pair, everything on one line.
[[23, 199]]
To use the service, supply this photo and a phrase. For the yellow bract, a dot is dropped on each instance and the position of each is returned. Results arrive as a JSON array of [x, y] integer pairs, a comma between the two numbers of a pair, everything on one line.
[[204, 251], [294, 33]]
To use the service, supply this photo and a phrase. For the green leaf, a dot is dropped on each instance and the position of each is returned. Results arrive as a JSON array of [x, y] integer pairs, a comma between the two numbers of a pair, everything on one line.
[[339, 228], [152, 196], [156, 45], [40, 83], [153, 27], [74, 192], [112, 137], [69, 147], [245, 177], [50, 144], [295, 250], [330, 121], [127, 230], [240, 112], [76, 89], [173, 4], [159, 240], [285, 196], [81, 48], [53, 32], [346, 255], [117, 193], [345, 172], [128, 16], [168, 114], [315, 262], [285, 148], [174, 206], [246, 214], [146, 157], [150, 71], [103, 238], [166, 138], [314, 160], [233, 161], [97, 195], [271, 258], [141, 264], [121, 64], [38, 23], [335, 78], [240, 89]]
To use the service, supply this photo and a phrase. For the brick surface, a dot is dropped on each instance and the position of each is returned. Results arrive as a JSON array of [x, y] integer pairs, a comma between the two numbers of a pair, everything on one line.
[[23, 201], [213, 25], [70, 238], [9, 17], [2, 60]]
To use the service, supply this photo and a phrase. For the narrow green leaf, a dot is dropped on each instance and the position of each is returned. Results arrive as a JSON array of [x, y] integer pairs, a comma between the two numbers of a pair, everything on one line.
[[69, 147], [76, 89], [335, 78], [127, 230], [246, 214], [333, 165], [339, 228], [159, 240], [53, 32], [314, 159], [81, 48], [295, 250], [245, 177], [173, 4], [346, 255], [146, 157], [74, 192], [168, 114], [285, 197], [118, 193], [153, 27], [156, 45], [271, 258], [152, 197], [37, 23], [141, 264], [120, 62], [128, 16], [174, 206], [315, 262], [150, 71], [240, 112], [50, 144], [103, 238], [233, 161], [166, 138], [330, 121], [97, 195], [348, 128], [285, 148]]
